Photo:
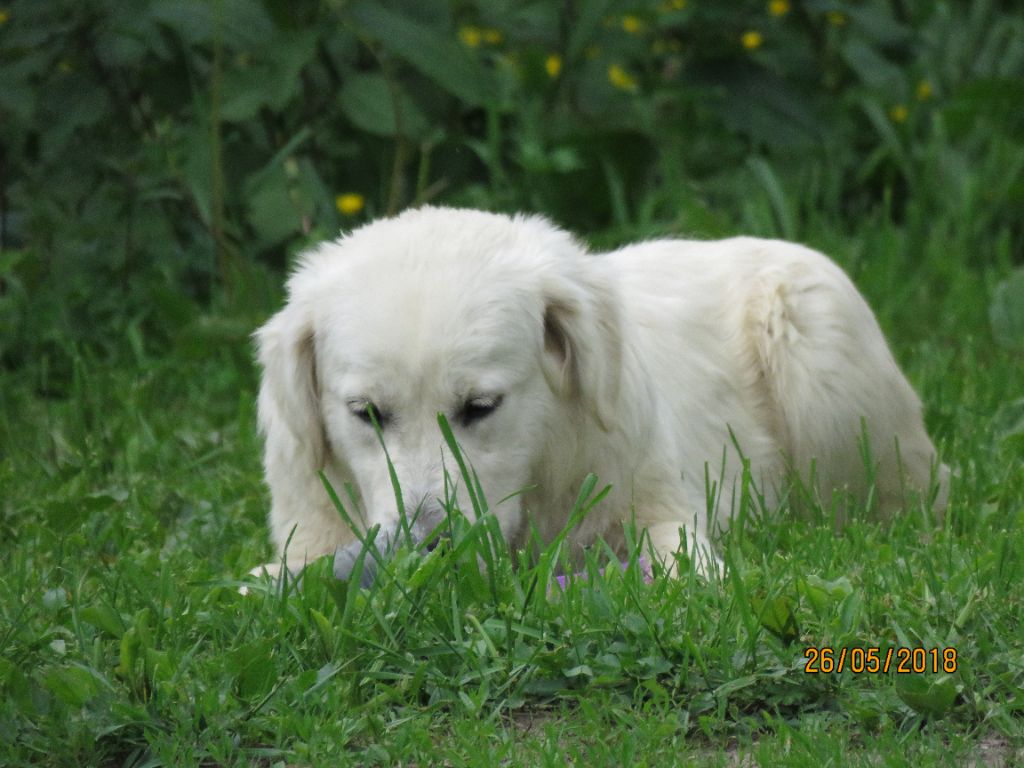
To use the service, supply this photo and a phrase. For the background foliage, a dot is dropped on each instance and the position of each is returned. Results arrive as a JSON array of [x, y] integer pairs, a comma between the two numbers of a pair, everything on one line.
[[153, 153], [161, 161]]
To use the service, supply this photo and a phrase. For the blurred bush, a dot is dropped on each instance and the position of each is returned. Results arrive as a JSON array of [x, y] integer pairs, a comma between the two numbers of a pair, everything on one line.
[[158, 155]]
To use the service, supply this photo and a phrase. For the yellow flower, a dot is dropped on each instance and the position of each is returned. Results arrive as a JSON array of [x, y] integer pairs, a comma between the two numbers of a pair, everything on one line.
[[836, 18], [632, 24], [492, 36], [672, 5], [621, 79], [924, 90], [553, 65], [471, 36], [752, 40], [5, 15], [899, 113], [778, 7], [350, 203]]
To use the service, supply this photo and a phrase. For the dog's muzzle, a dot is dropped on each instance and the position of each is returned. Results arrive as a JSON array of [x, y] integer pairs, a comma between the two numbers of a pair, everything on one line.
[[424, 529]]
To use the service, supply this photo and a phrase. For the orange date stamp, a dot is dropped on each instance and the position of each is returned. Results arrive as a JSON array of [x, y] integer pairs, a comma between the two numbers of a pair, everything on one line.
[[825, 660]]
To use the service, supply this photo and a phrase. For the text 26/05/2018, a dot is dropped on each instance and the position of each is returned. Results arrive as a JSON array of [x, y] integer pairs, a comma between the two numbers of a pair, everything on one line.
[[901, 660]]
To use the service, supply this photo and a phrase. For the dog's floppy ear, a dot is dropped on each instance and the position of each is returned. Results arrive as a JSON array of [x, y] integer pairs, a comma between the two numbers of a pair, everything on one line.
[[582, 340], [289, 412]]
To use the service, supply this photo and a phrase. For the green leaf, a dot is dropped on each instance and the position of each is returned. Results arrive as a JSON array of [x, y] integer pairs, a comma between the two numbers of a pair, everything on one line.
[[325, 629], [871, 67], [246, 93], [191, 20], [159, 667], [272, 83], [338, 590], [429, 567], [238, 23], [586, 24], [770, 111], [878, 25], [823, 594], [253, 666], [104, 617], [929, 695], [738, 684], [850, 612], [272, 208], [369, 103], [581, 670], [432, 51], [778, 616], [128, 654], [74, 685]]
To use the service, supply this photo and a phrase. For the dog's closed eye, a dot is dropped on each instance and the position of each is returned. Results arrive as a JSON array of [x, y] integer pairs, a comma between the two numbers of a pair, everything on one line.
[[366, 412], [477, 408]]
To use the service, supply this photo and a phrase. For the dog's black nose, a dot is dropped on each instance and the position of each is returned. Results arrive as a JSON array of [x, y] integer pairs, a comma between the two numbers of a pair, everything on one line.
[[433, 542]]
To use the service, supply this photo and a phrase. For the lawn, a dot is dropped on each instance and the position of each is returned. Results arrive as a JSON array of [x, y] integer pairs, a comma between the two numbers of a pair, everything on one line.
[[160, 168], [133, 505]]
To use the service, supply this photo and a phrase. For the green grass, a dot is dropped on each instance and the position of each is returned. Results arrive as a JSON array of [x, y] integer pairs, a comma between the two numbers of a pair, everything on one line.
[[132, 503]]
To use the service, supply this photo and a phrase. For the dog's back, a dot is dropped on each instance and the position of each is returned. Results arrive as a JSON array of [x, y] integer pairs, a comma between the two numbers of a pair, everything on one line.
[[777, 336]]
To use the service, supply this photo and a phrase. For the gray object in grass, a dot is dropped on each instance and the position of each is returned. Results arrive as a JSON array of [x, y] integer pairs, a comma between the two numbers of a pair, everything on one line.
[[379, 547]]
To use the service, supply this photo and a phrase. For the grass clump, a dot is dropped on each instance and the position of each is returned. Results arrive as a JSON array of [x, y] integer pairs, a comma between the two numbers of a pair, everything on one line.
[[160, 163], [132, 504]]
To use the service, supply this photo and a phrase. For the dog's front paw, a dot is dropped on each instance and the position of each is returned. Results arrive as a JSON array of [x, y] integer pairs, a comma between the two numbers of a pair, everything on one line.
[[276, 571]]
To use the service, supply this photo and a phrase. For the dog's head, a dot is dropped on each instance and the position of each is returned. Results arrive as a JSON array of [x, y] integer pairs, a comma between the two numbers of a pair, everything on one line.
[[504, 325]]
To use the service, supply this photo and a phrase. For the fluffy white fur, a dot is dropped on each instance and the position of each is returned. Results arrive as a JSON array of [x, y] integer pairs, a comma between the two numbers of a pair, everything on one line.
[[634, 365]]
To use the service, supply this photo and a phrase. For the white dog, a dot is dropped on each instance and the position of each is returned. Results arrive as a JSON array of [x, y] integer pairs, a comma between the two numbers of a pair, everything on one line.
[[654, 367]]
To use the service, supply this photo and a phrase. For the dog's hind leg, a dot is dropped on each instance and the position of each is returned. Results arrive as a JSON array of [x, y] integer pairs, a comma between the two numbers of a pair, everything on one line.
[[840, 398]]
